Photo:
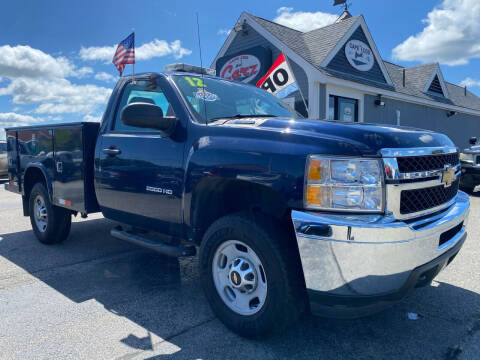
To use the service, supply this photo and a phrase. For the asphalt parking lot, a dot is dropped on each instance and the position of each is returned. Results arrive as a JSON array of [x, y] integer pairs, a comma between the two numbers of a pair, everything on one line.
[[96, 297]]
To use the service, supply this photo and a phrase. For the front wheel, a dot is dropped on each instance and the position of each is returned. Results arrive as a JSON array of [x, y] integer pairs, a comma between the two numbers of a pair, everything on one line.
[[251, 276], [51, 224]]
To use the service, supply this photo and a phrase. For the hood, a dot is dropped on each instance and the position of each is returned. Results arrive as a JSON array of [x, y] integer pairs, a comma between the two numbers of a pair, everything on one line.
[[369, 139], [472, 149]]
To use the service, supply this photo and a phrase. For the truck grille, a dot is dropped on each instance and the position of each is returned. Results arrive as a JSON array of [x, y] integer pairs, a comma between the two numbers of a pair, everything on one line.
[[416, 179], [416, 200], [425, 163]]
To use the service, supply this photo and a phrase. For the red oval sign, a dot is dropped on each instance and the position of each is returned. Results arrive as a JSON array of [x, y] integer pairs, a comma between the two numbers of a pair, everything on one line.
[[242, 68]]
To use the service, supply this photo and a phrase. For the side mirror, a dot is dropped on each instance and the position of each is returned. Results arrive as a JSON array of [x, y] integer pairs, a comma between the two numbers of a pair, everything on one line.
[[150, 116], [473, 141]]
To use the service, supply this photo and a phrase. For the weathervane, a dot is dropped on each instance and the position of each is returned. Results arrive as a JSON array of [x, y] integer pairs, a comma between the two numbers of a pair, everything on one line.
[[341, 2]]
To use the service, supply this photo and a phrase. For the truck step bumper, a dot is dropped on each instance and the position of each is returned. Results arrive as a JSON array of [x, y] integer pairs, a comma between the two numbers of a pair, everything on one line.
[[375, 259], [165, 249]]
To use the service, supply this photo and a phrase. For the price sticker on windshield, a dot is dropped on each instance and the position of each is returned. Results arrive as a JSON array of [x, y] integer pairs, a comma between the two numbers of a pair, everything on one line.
[[195, 82]]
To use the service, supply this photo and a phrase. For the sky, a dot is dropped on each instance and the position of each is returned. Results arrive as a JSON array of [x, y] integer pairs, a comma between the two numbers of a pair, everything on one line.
[[55, 56]]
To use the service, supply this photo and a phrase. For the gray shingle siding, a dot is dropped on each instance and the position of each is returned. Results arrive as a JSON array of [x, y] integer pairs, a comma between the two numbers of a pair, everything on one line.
[[340, 63], [458, 127]]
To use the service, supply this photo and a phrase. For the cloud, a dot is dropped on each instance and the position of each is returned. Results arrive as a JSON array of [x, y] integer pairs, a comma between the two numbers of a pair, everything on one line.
[[24, 61], [224, 32], [451, 35], [103, 76], [152, 49], [12, 119], [302, 20], [31, 76], [84, 71], [469, 82], [92, 118], [56, 96]]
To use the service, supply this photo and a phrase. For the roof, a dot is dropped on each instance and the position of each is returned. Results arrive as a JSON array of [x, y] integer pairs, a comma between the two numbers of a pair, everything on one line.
[[315, 45], [416, 78], [457, 95]]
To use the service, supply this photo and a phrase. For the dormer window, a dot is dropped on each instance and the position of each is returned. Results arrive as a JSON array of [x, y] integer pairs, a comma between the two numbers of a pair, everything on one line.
[[436, 87]]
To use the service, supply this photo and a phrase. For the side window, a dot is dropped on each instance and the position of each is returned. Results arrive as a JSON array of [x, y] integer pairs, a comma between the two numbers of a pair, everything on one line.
[[142, 91]]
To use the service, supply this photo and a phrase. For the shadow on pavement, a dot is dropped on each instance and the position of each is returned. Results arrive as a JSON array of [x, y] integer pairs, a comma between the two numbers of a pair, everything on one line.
[[163, 296]]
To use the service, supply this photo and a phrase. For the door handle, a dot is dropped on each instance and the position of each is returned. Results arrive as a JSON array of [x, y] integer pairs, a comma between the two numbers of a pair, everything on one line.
[[112, 151]]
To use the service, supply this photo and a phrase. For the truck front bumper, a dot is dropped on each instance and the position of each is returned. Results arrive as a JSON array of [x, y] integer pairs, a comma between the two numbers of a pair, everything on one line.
[[357, 264]]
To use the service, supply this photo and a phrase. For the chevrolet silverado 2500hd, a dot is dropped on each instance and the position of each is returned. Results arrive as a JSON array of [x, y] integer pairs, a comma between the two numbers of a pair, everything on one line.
[[289, 214]]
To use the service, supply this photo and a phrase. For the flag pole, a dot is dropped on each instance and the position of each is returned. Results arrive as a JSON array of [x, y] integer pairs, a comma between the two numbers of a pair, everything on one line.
[[299, 87], [133, 65]]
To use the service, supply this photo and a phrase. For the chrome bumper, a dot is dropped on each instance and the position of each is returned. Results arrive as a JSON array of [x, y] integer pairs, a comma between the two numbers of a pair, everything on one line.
[[367, 255]]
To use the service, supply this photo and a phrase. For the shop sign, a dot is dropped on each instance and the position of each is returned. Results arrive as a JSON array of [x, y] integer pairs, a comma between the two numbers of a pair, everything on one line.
[[359, 55], [243, 68]]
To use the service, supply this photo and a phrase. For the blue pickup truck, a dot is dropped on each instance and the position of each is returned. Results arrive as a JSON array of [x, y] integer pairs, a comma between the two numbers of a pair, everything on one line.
[[289, 214]]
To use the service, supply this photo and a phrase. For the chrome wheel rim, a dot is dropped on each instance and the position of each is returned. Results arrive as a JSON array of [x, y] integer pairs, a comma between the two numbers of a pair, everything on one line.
[[40, 213], [239, 277]]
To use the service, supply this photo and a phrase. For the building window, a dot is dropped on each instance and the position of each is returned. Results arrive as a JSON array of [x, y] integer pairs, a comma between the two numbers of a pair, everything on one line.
[[343, 109]]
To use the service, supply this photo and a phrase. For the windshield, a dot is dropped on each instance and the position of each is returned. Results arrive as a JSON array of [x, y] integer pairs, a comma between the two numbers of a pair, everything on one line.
[[213, 99], [3, 147]]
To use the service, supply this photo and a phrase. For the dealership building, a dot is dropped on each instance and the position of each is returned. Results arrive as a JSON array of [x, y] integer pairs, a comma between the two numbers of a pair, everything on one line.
[[342, 77]]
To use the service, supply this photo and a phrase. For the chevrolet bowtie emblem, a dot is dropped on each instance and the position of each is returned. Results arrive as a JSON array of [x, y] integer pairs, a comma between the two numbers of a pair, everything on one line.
[[448, 176], [235, 279]]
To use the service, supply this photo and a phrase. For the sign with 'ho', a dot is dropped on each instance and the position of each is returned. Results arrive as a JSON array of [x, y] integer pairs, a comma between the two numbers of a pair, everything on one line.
[[359, 55], [247, 66]]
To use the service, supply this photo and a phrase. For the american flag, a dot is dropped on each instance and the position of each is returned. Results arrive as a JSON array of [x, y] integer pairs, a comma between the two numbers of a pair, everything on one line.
[[125, 53]]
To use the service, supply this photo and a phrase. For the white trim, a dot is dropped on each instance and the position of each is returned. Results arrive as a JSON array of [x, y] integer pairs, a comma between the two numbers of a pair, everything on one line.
[[399, 96], [346, 93], [359, 22], [314, 106], [437, 72]]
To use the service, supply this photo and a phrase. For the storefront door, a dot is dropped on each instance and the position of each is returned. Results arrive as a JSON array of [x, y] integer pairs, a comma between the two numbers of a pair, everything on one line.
[[343, 109]]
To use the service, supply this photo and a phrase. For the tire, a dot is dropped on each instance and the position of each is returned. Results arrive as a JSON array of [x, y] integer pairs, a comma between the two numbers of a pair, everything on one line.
[[280, 273], [51, 224]]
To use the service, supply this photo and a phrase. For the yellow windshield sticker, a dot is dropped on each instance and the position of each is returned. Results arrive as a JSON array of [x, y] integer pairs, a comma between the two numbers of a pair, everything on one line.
[[195, 82]]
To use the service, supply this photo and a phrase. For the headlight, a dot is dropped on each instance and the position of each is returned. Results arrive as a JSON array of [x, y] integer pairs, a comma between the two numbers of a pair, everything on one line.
[[466, 157], [344, 184]]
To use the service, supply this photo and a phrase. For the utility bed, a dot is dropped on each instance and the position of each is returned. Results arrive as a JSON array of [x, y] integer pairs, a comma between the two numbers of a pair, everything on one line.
[[64, 153]]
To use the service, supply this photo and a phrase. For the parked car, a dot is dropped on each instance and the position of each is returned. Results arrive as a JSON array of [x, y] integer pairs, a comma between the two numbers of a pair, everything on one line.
[[286, 211], [3, 159], [470, 160]]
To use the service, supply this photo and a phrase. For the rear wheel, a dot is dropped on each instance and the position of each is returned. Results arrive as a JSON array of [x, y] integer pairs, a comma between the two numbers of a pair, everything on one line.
[[51, 224], [251, 275]]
